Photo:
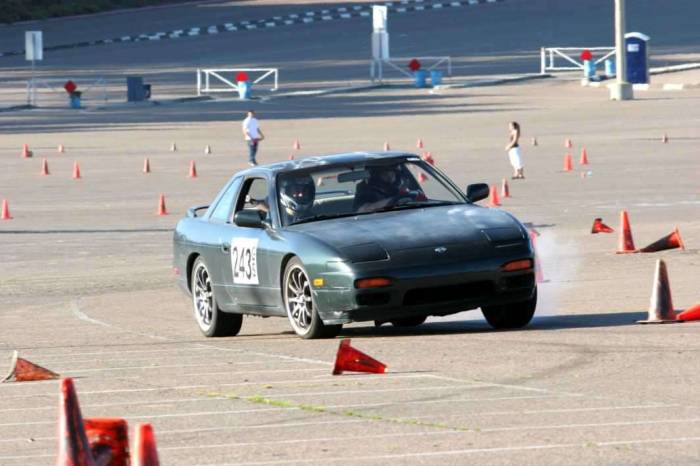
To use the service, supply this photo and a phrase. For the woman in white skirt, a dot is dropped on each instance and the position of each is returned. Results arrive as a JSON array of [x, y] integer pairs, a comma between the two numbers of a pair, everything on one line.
[[513, 149]]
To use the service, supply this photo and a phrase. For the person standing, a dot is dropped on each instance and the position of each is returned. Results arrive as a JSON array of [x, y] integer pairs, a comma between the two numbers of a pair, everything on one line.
[[253, 135], [513, 150]]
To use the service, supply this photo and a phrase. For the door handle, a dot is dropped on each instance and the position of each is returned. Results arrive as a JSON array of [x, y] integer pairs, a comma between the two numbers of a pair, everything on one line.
[[225, 248]]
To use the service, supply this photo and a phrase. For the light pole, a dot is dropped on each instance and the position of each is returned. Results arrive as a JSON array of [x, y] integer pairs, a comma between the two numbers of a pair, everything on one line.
[[621, 90]]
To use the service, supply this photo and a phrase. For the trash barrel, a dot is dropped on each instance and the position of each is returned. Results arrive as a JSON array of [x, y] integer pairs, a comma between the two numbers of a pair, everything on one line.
[[244, 89], [420, 78], [588, 69], [75, 99], [609, 68], [436, 77]]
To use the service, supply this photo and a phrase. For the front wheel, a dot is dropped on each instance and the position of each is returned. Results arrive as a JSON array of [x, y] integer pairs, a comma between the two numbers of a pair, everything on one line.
[[212, 321], [299, 304], [510, 316]]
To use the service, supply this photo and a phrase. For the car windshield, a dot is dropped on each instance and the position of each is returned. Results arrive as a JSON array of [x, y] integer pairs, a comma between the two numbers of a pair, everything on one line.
[[361, 188]]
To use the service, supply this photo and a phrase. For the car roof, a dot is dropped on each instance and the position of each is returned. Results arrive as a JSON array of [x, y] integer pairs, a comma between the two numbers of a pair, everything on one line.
[[321, 161]]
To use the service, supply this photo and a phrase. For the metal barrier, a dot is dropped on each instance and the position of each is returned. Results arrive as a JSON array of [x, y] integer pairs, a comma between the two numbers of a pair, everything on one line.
[[55, 86], [570, 55], [207, 79], [376, 70]]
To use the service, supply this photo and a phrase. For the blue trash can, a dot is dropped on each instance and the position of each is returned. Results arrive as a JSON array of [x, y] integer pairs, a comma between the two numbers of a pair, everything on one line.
[[588, 69], [420, 78], [244, 89], [436, 78], [75, 99], [609, 68]]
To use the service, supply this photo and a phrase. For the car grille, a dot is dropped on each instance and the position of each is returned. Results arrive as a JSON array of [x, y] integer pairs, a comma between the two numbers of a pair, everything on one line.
[[447, 293]]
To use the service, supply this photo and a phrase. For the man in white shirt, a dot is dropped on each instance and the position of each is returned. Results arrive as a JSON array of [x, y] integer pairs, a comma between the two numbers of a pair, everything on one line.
[[252, 135]]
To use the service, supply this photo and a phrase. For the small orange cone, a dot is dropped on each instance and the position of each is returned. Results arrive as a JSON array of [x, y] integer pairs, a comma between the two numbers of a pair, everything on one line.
[[664, 138], [297, 144], [568, 163], [600, 227], [671, 241], [76, 170], [161, 205], [73, 446], [61, 149], [428, 157], [661, 305], [291, 156], [108, 436], [505, 190], [692, 313], [146, 165], [145, 451], [494, 201], [386, 146], [173, 147], [584, 157], [422, 178], [350, 359], [193, 170], [207, 149], [26, 153], [534, 141], [625, 243], [5, 215], [539, 275], [419, 143], [568, 144], [44, 167], [22, 370]]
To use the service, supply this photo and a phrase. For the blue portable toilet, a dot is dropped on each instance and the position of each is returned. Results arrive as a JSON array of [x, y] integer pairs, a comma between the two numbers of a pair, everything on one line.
[[637, 53]]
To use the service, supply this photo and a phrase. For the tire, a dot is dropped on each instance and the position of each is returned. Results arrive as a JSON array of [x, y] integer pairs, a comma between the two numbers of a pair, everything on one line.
[[511, 316], [409, 321], [212, 321], [300, 306]]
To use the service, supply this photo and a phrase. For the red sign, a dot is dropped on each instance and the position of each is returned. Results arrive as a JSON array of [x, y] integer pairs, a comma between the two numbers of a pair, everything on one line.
[[586, 55], [414, 65], [70, 87], [242, 76]]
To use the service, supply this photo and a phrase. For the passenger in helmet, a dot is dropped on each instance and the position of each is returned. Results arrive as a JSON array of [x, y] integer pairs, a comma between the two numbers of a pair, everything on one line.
[[297, 194], [381, 188]]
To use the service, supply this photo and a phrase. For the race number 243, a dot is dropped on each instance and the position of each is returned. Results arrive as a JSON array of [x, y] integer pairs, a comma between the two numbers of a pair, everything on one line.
[[244, 261]]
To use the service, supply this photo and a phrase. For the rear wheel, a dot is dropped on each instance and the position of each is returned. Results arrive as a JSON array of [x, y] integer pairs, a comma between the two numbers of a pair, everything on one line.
[[212, 321], [510, 316], [299, 304]]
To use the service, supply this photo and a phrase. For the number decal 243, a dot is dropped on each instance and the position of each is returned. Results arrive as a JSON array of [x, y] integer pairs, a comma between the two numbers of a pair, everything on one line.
[[244, 263]]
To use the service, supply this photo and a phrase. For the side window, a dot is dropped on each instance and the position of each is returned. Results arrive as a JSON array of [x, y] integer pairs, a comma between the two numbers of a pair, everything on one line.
[[254, 196], [222, 211]]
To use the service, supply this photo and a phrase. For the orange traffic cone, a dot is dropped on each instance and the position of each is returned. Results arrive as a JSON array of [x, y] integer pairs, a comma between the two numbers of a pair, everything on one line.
[[600, 227], [108, 436], [146, 165], [76, 170], [161, 205], [44, 167], [193, 170], [5, 215], [422, 178], [145, 451], [584, 157], [661, 306], [534, 141], [26, 153], [386, 146], [671, 241], [73, 446], [173, 147], [625, 243], [297, 144], [568, 144], [207, 149], [428, 157], [22, 370], [350, 359], [61, 149], [419, 143], [494, 201], [291, 156], [539, 274], [692, 313], [664, 138], [568, 163], [505, 190]]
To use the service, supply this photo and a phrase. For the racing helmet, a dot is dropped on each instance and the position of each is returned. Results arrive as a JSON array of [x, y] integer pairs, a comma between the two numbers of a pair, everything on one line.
[[385, 178], [297, 193]]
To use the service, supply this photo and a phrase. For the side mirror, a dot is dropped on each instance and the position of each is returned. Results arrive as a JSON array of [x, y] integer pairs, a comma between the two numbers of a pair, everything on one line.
[[477, 192], [250, 218]]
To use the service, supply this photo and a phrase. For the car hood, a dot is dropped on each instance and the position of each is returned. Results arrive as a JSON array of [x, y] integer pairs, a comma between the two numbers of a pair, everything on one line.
[[463, 224]]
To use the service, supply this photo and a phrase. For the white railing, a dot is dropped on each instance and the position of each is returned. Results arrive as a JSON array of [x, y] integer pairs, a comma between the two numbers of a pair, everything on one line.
[[213, 80], [376, 70], [55, 86], [571, 55]]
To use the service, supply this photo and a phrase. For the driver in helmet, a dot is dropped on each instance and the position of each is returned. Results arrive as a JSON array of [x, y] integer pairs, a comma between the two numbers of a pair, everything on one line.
[[297, 194], [381, 188]]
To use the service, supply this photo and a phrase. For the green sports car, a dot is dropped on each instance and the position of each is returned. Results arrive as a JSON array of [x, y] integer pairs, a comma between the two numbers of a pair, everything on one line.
[[325, 241]]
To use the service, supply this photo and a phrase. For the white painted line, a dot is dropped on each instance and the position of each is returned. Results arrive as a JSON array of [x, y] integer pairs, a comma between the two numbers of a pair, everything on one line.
[[493, 384], [122, 403], [592, 424], [261, 371], [357, 392]]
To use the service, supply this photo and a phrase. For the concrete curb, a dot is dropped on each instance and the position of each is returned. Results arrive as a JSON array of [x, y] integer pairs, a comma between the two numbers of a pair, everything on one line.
[[495, 81], [646, 87], [15, 108], [674, 68], [314, 93]]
